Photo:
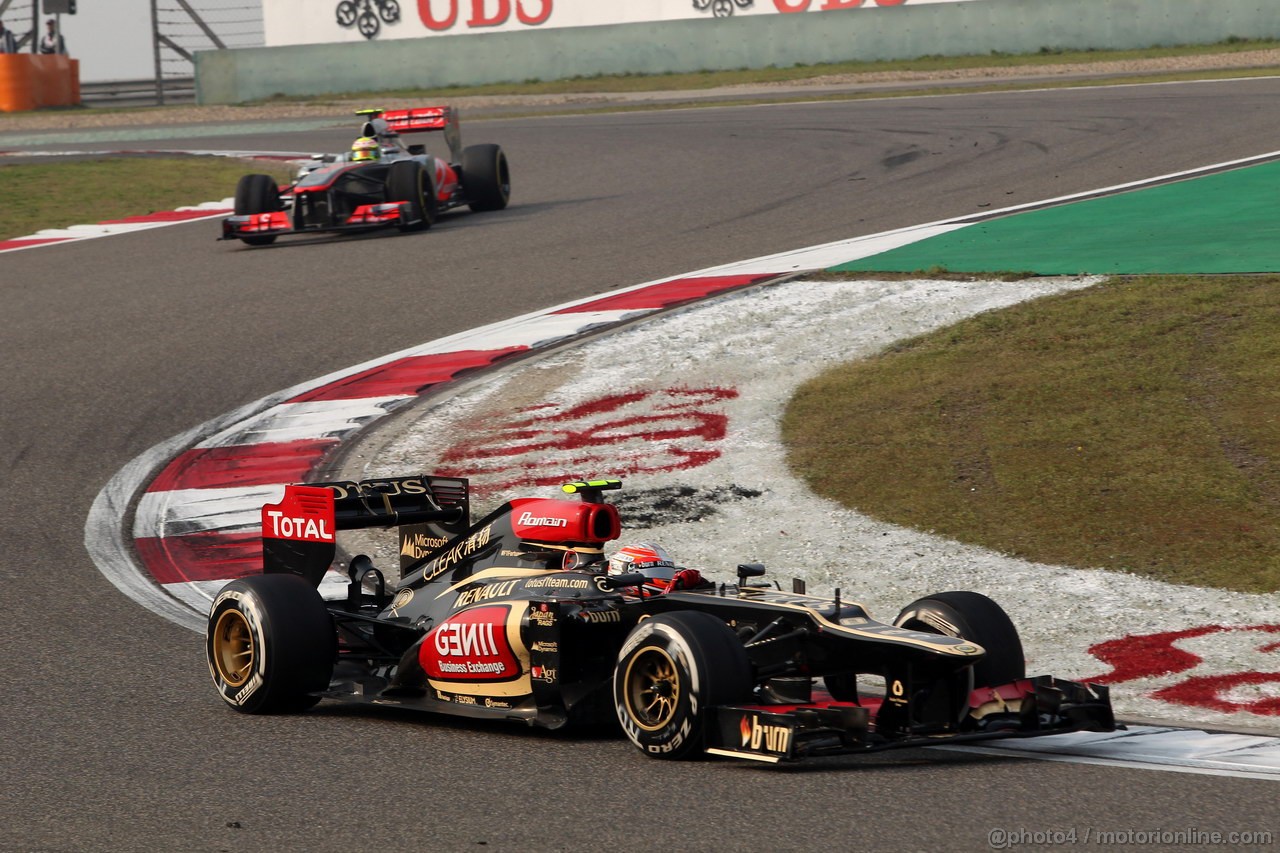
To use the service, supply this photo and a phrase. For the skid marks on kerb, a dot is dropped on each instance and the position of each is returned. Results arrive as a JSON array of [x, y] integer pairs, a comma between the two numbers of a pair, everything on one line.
[[641, 431]]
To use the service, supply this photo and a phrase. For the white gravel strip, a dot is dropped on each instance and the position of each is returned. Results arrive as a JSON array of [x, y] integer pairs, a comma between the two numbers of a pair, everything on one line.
[[764, 343]]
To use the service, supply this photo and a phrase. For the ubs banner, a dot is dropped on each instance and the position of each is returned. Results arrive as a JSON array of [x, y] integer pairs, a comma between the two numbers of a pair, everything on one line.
[[321, 21]]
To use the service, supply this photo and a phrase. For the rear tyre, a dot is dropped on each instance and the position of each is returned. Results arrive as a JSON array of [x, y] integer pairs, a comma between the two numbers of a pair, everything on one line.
[[671, 671], [486, 177], [974, 617], [408, 182], [257, 194], [270, 644]]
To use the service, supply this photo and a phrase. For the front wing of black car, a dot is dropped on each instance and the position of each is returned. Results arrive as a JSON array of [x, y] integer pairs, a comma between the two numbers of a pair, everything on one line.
[[1030, 707]]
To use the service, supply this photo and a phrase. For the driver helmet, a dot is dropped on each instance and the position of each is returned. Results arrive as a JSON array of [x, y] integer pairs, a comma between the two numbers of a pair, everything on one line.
[[648, 559], [365, 148]]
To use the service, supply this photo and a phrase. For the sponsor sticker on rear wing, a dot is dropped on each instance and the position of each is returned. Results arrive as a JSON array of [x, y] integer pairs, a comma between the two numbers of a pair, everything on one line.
[[398, 501], [299, 533], [443, 118], [419, 119]]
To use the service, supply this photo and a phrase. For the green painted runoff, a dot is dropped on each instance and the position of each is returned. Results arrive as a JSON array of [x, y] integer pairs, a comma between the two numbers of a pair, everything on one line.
[[1223, 223]]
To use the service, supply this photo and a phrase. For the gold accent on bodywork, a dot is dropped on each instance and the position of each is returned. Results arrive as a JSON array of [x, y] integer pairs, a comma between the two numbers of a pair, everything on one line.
[[734, 753], [997, 705], [955, 646], [402, 598], [498, 572]]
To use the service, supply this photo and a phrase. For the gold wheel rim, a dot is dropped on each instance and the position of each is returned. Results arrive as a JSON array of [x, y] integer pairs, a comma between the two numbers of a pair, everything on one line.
[[651, 688], [233, 653]]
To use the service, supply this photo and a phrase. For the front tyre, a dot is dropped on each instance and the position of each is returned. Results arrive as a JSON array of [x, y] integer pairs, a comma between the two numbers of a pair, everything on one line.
[[486, 177], [408, 182], [270, 644], [257, 194], [672, 670], [974, 617]]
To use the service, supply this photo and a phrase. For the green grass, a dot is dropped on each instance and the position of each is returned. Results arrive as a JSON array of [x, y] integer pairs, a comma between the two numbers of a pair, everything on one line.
[[1132, 426], [621, 83], [55, 195]]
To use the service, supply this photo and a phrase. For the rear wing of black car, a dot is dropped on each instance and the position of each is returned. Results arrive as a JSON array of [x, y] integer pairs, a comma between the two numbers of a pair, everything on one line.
[[299, 534]]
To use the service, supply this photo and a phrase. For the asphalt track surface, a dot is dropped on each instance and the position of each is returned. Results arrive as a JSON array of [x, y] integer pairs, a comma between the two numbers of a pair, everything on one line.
[[113, 737]]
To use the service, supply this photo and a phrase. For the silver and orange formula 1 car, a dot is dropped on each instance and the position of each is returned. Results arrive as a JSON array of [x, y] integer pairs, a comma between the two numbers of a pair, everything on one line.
[[389, 185], [515, 618]]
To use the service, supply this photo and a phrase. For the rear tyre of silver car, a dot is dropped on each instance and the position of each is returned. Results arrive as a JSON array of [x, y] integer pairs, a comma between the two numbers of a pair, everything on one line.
[[270, 644], [408, 182], [672, 670], [974, 617], [257, 194], [486, 178]]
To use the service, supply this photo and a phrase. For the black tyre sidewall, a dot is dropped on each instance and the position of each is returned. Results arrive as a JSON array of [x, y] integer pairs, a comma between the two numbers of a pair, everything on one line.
[[713, 669], [293, 639], [430, 203], [408, 181], [257, 194], [486, 177], [974, 617]]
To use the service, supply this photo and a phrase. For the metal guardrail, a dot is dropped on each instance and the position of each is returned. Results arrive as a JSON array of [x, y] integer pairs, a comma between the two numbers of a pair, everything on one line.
[[138, 93]]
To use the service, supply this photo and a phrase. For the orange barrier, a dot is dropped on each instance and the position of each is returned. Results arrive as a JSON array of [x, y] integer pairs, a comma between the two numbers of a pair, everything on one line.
[[29, 81]]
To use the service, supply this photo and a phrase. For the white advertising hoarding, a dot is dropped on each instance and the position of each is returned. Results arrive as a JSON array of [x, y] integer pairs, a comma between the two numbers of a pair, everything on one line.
[[287, 22]]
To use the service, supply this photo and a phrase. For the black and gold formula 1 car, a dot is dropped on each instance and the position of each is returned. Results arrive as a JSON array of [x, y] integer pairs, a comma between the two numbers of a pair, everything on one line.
[[389, 184], [515, 618]]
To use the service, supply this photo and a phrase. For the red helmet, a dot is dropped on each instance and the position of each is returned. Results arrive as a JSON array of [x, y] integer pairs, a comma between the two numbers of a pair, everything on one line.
[[648, 559]]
